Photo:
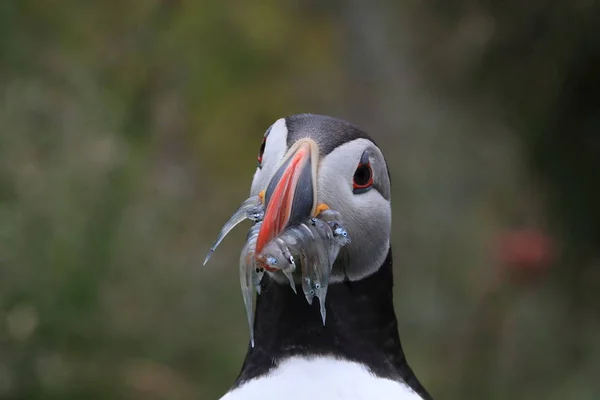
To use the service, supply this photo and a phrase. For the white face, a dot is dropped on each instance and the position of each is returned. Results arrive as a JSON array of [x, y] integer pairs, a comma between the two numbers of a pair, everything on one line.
[[352, 179], [275, 147]]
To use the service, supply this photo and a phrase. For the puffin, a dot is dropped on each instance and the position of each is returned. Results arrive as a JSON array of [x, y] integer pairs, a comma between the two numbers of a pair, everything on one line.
[[307, 163]]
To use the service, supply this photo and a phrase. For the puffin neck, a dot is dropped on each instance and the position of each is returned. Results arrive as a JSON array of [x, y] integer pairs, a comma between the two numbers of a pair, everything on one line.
[[361, 326]]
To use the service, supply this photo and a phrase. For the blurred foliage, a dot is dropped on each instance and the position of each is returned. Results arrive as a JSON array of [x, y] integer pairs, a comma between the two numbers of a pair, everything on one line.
[[129, 131]]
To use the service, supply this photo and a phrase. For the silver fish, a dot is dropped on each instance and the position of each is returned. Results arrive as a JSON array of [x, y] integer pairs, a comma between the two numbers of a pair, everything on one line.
[[311, 246], [251, 209], [250, 276], [322, 268], [277, 255]]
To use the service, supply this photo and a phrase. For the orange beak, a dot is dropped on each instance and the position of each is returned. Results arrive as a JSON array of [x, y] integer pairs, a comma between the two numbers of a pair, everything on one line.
[[291, 196]]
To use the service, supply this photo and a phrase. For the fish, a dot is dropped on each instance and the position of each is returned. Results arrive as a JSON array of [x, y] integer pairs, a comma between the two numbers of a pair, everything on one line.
[[250, 276], [304, 253], [251, 208]]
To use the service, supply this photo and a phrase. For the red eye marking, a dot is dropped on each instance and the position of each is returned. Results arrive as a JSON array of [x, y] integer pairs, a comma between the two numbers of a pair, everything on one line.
[[261, 152], [363, 176]]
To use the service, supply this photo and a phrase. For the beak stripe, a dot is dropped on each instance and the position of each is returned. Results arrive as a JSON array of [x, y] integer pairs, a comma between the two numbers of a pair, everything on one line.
[[287, 199]]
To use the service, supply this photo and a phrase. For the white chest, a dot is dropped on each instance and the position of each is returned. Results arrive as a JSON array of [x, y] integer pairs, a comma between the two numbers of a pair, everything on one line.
[[317, 378]]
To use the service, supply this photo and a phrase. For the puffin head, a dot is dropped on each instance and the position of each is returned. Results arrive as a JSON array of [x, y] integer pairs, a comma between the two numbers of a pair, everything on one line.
[[308, 163], [319, 181]]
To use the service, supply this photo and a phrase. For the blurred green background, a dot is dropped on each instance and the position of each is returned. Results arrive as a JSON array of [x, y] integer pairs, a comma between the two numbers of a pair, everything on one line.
[[129, 133]]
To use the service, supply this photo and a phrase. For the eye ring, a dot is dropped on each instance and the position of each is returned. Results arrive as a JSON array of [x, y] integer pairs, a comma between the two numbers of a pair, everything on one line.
[[261, 151], [263, 145], [362, 181]]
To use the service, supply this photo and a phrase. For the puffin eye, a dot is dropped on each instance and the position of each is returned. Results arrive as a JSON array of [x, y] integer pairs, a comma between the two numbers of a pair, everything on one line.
[[363, 176], [261, 152]]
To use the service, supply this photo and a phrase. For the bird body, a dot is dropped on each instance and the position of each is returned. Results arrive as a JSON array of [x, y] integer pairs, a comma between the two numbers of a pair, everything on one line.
[[321, 377], [357, 354]]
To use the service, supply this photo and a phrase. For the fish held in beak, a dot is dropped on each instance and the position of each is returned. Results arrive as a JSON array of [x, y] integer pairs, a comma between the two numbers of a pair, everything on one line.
[[250, 209], [293, 237]]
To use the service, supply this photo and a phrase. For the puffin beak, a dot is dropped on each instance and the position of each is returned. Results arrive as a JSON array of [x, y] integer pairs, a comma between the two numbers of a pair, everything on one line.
[[291, 196]]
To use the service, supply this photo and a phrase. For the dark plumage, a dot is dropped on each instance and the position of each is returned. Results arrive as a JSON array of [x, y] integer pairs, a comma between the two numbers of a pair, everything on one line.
[[361, 326]]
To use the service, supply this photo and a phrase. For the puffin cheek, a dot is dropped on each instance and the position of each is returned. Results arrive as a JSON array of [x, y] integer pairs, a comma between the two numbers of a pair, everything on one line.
[[369, 226]]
